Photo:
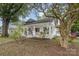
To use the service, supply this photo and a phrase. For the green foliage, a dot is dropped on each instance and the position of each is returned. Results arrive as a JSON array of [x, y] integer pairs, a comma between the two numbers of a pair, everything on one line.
[[75, 27], [17, 32], [11, 9], [56, 40], [71, 41], [42, 34], [10, 12], [55, 37]]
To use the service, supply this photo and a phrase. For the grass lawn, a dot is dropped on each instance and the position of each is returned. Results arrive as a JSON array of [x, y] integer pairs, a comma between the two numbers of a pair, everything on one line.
[[35, 47], [4, 40]]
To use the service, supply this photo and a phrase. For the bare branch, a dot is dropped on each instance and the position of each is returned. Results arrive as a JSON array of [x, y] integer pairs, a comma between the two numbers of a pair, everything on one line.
[[56, 14], [46, 14], [73, 11], [55, 11]]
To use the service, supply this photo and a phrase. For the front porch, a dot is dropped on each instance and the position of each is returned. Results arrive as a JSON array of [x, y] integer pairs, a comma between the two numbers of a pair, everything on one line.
[[38, 31]]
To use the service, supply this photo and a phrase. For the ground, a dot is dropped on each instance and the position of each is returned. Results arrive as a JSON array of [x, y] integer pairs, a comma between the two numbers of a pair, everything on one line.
[[36, 47]]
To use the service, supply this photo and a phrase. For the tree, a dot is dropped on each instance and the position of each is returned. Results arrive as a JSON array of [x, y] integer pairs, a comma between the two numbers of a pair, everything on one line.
[[10, 12], [16, 34], [75, 27], [67, 14]]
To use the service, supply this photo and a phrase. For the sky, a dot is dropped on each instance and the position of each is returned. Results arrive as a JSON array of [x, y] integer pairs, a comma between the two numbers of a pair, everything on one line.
[[33, 15]]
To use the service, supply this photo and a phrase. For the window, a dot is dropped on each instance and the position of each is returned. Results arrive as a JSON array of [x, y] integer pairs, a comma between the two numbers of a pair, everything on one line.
[[46, 30], [37, 29], [30, 31]]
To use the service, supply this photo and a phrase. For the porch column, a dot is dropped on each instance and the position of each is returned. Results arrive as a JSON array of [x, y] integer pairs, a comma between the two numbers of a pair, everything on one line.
[[33, 31], [41, 29], [27, 31], [50, 32]]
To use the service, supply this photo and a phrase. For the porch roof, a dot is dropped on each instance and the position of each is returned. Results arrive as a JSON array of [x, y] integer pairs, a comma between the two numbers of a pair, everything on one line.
[[32, 21]]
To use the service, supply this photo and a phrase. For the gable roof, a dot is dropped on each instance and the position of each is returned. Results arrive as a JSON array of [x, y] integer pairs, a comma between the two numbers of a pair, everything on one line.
[[44, 20], [30, 21]]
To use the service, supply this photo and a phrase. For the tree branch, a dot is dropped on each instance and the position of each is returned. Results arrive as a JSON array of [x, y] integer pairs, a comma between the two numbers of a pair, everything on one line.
[[17, 9], [73, 11], [48, 15]]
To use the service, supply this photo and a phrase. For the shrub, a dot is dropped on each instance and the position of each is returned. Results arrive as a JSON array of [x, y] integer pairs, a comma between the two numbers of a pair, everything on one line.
[[17, 32], [42, 34], [56, 39]]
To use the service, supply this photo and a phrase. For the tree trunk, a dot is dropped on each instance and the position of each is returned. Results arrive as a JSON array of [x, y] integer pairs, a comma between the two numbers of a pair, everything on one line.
[[64, 40], [64, 36], [5, 25]]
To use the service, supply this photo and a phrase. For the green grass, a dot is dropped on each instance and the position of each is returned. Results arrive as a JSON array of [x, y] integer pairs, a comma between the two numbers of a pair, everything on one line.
[[5, 39], [76, 41]]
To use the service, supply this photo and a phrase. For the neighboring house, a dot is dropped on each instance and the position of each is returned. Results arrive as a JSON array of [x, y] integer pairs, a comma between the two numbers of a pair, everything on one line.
[[12, 27], [46, 28]]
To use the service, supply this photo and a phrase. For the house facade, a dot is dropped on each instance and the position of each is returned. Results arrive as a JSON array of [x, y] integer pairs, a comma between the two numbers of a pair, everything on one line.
[[44, 28]]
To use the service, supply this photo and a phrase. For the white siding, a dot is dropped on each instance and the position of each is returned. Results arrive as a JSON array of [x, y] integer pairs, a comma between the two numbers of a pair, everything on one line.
[[50, 25]]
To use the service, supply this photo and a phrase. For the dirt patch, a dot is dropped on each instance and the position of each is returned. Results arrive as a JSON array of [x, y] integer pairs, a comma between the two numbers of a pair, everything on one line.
[[31, 47]]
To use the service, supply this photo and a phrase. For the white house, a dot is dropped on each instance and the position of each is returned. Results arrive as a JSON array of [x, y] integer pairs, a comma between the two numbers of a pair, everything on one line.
[[12, 27], [46, 28]]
